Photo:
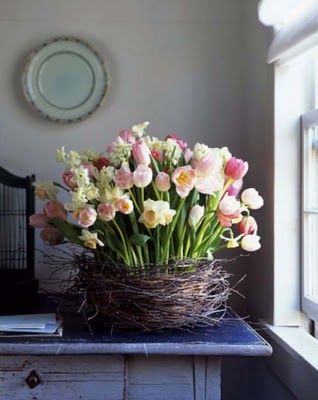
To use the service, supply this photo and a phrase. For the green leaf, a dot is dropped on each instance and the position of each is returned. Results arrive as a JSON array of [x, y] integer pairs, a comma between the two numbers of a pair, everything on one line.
[[70, 231], [138, 239]]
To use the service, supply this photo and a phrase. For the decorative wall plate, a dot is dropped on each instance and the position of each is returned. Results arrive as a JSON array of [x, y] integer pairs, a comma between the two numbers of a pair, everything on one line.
[[65, 80]]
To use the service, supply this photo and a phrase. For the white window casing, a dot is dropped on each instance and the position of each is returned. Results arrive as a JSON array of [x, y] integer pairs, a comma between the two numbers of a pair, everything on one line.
[[309, 214]]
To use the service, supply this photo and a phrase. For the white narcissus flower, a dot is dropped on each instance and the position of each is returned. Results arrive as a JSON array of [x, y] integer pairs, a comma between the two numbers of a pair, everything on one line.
[[106, 175], [156, 213], [91, 192], [251, 198], [250, 243], [229, 205], [195, 215], [60, 154], [45, 190], [200, 150], [81, 176], [90, 239], [172, 150], [108, 194], [139, 129]]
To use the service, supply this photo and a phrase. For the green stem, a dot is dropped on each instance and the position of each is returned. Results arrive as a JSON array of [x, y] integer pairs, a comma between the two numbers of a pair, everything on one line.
[[134, 201], [127, 260]]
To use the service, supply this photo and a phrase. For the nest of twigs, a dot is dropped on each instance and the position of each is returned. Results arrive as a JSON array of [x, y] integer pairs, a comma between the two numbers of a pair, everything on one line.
[[179, 294]]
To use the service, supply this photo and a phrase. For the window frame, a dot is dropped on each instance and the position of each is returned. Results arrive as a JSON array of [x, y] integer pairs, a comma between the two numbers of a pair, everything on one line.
[[309, 120]]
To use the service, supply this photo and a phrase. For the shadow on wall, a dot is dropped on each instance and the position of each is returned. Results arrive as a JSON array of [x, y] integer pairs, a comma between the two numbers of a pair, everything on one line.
[[251, 379]]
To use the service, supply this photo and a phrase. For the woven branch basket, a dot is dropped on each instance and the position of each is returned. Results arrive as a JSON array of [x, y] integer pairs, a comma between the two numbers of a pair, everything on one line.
[[180, 294]]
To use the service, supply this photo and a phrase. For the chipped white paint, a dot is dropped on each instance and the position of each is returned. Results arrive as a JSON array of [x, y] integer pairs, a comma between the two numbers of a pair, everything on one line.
[[109, 377]]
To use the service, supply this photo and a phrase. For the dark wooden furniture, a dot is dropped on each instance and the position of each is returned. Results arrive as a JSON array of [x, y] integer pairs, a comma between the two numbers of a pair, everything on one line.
[[17, 283]]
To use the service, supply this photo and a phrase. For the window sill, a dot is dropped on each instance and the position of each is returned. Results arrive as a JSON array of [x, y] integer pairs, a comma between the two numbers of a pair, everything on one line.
[[294, 359]]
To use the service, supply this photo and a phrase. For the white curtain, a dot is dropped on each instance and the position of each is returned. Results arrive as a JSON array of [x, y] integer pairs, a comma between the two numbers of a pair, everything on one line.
[[295, 23]]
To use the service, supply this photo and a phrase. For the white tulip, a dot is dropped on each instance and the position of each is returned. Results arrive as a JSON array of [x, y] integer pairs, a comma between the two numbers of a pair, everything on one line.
[[252, 199], [229, 205], [251, 243], [195, 215]]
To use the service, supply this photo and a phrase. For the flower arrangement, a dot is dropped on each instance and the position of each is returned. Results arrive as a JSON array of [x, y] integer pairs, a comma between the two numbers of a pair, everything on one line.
[[150, 201], [151, 215]]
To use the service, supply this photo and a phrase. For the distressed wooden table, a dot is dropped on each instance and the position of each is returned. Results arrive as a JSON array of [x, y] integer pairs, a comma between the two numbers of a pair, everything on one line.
[[169, 365]]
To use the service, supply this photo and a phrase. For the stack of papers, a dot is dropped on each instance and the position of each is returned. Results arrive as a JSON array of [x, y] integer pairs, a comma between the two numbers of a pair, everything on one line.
[[30, 325]]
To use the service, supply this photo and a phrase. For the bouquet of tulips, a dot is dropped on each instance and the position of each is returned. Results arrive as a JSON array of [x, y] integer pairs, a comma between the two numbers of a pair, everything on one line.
[[148, 201]]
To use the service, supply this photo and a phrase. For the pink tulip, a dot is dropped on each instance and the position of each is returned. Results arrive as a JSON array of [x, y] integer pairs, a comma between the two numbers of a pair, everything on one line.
[[142, 176], [209, 184], [92, 170], [187, 154], [51, 235], [141, 152], [248, 226], [38, 221], [235, 188], [68, 179], [236, 168], [162, 182], [224, 220], [87, 217], [127, 136], [207, 165], [176, 138], [101, 162], [157, 155], [106, 212], [124, 177], [55, 210], [184, 178]]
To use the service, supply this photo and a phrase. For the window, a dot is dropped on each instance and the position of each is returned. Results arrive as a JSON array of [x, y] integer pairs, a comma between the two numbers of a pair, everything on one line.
[[309, 215]]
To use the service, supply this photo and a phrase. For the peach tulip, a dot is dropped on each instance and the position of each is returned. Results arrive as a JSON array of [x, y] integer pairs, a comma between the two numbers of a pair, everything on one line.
[[55, 210], [38, 221], [106, 212], [51, 235], [184, 178]]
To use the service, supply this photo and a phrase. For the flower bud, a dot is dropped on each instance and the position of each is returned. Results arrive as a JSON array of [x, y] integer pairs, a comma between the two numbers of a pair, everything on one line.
[[162, 182], [250, 243], [236, 168], [252, 199], [87, 217], [142, 176], [229, 205], [123, 177], [106, 212], [141, 152], [195, 215], [51, 235], [247, 226], [55, 210], [38, 221]]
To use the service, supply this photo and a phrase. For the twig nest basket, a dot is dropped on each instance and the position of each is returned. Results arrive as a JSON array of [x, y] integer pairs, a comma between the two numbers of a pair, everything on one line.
[[179, 294]]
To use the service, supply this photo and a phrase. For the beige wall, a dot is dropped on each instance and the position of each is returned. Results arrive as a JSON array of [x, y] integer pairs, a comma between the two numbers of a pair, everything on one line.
[[176, 63]]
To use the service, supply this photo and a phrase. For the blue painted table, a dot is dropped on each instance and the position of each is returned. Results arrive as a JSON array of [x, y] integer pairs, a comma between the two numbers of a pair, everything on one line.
[[171, 365]]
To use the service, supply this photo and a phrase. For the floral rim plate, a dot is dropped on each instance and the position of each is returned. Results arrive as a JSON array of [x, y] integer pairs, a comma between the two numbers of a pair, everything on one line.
[[65, 80]]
